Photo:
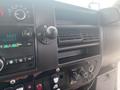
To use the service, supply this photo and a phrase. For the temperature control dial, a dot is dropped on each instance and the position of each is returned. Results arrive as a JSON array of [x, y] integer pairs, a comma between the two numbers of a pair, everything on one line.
[[20, 14]]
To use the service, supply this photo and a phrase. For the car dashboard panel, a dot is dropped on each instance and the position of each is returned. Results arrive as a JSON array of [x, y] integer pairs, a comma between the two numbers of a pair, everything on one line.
[[45, 45]]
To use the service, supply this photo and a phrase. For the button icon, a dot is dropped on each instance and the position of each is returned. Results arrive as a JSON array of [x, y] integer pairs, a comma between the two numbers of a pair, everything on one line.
[[39, 87], [55, 86], [11, 62], [29, 44], [56, 79], [20, 88], [30, 58], [20, 60]]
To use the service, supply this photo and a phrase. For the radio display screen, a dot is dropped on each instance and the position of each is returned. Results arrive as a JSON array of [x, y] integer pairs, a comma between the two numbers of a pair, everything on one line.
[[14, 37], [6, 37]]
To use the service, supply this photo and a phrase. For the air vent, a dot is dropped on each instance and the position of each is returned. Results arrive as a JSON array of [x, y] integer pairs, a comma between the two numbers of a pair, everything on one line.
[[68, 36]]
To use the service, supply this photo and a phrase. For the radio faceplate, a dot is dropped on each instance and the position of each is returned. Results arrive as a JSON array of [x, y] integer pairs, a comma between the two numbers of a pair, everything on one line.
[[17, 49]]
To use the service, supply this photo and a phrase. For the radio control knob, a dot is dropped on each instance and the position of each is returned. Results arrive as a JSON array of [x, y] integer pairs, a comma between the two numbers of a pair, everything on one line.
[[1, 64], [20, 14], [51, 32]]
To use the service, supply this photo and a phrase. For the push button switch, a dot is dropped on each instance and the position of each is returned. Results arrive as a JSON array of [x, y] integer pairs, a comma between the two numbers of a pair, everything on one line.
[[39, 87], [19, 87], [29, 86]]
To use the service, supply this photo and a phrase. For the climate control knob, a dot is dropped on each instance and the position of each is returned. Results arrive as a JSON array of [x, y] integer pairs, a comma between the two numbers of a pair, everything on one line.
[[1, 64], [20, 14]]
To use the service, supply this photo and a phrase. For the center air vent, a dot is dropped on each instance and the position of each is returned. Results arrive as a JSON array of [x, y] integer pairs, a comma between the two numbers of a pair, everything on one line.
[[68, 36]]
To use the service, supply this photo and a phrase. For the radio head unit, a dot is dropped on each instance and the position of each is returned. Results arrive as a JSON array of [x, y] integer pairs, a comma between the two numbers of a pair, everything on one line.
[[17, 49], [17, 39]]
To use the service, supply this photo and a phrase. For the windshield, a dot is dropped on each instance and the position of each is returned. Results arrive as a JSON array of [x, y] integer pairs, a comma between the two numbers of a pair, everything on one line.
[[91, 4]]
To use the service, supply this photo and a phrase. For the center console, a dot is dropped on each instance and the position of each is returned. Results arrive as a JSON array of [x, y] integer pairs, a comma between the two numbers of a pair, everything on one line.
[[79, 45]]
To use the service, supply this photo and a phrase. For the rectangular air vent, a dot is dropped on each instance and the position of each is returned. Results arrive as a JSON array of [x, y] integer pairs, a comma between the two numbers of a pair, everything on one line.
[[72, 36]]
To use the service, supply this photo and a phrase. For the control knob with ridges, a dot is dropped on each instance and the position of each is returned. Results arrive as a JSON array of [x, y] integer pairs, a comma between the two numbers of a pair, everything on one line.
[[20, 14], [1, 64]]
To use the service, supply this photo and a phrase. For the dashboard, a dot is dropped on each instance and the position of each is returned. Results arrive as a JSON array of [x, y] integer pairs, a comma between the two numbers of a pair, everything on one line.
[[45, 45]]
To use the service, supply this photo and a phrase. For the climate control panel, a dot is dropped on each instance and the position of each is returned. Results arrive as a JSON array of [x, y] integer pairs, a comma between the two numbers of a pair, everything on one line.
[[16, 12]]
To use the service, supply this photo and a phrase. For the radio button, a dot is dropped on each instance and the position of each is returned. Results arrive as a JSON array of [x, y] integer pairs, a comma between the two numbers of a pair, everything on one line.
[[11, 62], [30, 58], [29, 44], [19, 87], [27, 33], [58, 89], [55, 86], [29, 86], [20, 60]]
